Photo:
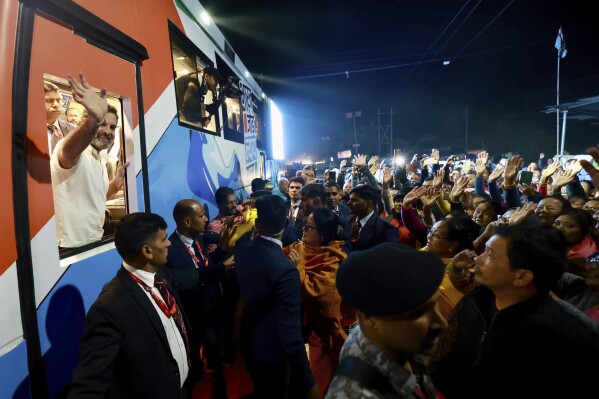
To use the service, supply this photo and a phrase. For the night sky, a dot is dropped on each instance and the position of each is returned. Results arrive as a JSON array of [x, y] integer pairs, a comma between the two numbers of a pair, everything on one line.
[[502, 71]]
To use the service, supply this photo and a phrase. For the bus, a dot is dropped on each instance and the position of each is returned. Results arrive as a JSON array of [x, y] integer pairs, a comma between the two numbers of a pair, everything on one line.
[[181, 137]]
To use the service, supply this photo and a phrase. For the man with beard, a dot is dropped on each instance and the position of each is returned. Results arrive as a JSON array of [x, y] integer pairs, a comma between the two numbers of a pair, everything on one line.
[[73, 116], [394, 289], [79, 170]]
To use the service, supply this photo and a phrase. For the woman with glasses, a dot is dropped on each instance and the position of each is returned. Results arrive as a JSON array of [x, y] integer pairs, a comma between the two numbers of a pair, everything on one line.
[[317, 257]]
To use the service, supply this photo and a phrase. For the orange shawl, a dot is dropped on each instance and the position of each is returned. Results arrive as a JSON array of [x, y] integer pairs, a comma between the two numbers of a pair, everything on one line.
[[320, 298]]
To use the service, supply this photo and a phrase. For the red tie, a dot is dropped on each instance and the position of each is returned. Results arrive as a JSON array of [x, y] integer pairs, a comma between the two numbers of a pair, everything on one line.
[[167, 304], [55, 137], [355, 230]]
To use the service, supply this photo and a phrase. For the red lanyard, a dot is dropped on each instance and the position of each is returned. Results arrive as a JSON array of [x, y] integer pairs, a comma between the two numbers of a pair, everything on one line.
[[419, 393], [195, 258], [168, 312]]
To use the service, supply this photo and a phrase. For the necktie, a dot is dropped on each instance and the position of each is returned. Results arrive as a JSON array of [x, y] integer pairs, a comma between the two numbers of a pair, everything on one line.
[[355, 230], [55, 137], [173, 309], [167, 304]]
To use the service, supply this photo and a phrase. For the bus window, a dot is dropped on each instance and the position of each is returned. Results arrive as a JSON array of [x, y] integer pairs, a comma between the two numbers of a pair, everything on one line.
[[77, 223], [196, 83]]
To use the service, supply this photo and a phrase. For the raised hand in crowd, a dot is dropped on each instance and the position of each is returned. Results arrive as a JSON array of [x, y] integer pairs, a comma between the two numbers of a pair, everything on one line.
[[375, 167], [359, 160], [548, 172], [514, 164], [560, 179], [413, 165], [496, 174], [526, 189], [461, 262], [481, 163], [438, 178], [591, 170], [466, 166], [521, 215], [575, 167], [343, 166], [458, 189], [435, 154], [429, 197], [387, 179], [413, 196], [482, 239], [373, 159]]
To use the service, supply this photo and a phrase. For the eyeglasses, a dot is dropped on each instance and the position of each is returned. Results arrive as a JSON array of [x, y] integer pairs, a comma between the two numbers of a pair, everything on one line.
[[332, 194], [591, 209], [436, 235], [308, 227]]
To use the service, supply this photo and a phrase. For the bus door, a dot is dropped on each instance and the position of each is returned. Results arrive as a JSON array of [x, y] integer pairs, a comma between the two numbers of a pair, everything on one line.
[[57, 285]]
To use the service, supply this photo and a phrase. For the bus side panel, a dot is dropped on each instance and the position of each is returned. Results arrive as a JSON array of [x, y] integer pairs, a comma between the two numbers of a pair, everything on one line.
[[13, 350], [61, 316], [189, 164], [13, 373]]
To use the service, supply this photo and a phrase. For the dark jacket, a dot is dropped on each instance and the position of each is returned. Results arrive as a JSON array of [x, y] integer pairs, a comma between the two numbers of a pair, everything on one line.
[[203, 297], [124, 350], [271, 322], [374, 232], [343, 211], [537, 348]]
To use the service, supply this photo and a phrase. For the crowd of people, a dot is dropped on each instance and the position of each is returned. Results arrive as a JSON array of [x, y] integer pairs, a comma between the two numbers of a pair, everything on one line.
[[434, 279], [354, 285]]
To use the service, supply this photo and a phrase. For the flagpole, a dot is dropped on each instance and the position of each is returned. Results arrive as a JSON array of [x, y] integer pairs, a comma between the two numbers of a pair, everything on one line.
[[557, 108]]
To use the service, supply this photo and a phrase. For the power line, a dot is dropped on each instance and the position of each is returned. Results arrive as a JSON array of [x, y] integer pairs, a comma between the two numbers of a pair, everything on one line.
[[400, 84], [386, 67], [472, 41]]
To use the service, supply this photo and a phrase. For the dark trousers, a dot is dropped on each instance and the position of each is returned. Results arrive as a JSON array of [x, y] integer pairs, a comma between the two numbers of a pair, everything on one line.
[[229, 306]]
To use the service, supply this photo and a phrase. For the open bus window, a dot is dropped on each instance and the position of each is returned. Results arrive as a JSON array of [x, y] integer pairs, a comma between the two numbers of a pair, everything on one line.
[[196, 84], [89, 199]]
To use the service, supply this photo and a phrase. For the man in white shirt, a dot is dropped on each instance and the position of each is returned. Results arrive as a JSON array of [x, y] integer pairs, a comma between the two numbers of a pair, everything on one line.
[[79, 170]]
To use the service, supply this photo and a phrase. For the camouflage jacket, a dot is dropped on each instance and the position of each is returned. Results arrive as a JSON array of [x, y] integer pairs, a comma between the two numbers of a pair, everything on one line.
[[400, 380]]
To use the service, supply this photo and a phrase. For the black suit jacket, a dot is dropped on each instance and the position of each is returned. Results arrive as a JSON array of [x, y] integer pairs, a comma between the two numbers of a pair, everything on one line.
[[201, 298], [343, 211], [124, 350], [271, 321], [373, 233]]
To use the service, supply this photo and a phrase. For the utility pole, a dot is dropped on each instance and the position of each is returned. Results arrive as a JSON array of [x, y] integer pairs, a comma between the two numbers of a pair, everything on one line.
[[466, 116], [385, 132], [354, 115]]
